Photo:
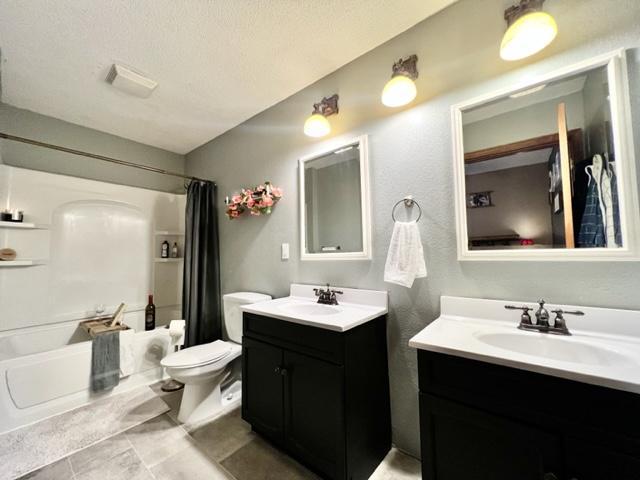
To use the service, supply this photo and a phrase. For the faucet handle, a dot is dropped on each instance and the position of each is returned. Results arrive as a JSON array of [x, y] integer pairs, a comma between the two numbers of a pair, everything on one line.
[[525, 318], [567, 312]]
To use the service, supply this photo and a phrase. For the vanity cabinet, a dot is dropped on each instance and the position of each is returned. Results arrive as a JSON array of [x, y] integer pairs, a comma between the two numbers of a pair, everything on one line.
[[321, 395], [487, 422]]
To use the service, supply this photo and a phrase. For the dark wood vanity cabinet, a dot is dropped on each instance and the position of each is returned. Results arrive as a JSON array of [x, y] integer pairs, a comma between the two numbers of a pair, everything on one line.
[[481, 421], [322, 396]]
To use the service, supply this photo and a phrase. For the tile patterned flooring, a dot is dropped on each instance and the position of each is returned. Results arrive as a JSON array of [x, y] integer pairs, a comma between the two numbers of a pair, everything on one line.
[[224, 449]]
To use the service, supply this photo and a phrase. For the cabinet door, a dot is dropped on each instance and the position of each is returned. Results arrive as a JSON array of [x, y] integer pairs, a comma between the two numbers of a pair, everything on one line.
[[262, 388], [461, 443], [591, 461], [314, 420]]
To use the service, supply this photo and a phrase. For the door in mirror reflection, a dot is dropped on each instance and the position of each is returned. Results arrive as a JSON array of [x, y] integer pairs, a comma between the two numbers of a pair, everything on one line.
[[333, 202], [540, 168]]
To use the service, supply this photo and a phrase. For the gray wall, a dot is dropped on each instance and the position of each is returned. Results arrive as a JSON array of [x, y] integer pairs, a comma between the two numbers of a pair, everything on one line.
[[411, 153], [32, 125]]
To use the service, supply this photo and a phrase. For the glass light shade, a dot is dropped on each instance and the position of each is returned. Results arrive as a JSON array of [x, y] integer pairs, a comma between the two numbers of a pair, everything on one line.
[[528, 35], [399, 91], [317, 125]]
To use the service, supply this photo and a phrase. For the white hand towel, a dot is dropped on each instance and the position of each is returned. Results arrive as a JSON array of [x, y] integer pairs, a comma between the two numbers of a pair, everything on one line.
[[127, 353], [405, 260]]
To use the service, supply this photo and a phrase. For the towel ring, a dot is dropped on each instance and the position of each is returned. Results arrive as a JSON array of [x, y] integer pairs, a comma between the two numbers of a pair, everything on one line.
[[408, 202]]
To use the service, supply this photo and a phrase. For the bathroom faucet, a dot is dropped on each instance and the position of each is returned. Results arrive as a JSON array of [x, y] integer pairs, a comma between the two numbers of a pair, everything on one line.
[[542, 319], [328, 296]]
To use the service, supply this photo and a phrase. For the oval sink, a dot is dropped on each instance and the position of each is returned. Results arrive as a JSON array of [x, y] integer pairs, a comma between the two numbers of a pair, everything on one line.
[[565, 349], [313, 309]]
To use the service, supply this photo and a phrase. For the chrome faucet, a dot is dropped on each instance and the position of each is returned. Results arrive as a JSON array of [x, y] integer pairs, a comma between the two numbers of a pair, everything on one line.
[[542, 319], [328, 296]]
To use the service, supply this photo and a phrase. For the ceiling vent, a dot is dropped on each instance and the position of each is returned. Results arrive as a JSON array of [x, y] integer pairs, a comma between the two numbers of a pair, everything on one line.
[[130, 82]]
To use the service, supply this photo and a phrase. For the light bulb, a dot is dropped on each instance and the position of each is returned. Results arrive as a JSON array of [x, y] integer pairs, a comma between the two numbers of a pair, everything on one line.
[[528, 35], [317, 125], [399, 91]]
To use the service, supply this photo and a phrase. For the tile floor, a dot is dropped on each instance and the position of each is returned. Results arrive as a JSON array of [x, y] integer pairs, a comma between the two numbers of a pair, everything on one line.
[[224, 449]]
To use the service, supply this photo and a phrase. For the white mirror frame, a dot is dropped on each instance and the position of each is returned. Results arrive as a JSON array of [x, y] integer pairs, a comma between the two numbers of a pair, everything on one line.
[[616, 64], [365, 201]]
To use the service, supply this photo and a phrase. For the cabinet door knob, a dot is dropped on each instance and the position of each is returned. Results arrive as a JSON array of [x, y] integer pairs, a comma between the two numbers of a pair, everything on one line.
[[283, 372], [550, 476], [277, 370]]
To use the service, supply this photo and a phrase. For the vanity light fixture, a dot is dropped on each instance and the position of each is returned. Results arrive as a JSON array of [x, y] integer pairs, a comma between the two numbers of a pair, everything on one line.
[[529, 31], [317, 124], [401, 89]]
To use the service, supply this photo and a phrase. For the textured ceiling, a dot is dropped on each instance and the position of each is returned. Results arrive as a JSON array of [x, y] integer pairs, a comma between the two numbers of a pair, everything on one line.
[[218, 62]]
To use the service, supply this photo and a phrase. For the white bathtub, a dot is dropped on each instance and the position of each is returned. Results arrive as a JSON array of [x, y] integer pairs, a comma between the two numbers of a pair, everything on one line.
[[45, 371]]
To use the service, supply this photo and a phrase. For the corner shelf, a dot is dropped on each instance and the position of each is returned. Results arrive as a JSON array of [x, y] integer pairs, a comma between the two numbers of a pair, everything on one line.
[[169, 233], [24, 225], [21, 263], [168, 260]]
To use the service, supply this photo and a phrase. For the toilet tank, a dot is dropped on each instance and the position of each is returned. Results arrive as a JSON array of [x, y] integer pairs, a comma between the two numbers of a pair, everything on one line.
[[233, 314]]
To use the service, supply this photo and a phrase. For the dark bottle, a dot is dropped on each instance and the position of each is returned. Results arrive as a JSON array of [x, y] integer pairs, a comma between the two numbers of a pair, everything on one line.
[[150, 315], [164, 251]]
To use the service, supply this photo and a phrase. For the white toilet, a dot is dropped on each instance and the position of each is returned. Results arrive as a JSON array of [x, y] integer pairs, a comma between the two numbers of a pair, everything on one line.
[[204, 368]]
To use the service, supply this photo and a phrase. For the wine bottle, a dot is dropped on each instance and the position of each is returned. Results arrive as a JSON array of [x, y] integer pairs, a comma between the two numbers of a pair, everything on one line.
[[150, 315]]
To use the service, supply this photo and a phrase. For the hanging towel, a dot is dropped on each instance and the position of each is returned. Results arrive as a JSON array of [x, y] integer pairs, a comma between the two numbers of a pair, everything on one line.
[[105, 361], [127, 357], [405, 260], [615, 204], [592, 232]]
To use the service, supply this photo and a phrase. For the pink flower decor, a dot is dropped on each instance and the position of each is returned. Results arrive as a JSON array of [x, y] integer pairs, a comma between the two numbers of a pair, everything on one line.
[[259, 200]]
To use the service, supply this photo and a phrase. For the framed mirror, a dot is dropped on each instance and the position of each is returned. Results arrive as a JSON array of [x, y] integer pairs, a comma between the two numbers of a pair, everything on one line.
[[546, 170], [334, 203]]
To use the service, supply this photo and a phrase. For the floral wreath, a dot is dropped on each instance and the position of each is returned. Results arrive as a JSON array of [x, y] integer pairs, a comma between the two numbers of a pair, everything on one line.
[[258, 200]]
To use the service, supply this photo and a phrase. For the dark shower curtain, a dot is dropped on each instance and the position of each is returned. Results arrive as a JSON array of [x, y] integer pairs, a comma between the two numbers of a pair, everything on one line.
[[201, 302]]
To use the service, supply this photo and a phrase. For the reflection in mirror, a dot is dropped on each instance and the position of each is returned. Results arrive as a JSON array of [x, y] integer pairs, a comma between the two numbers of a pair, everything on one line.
[[540, 167], [333, 202]]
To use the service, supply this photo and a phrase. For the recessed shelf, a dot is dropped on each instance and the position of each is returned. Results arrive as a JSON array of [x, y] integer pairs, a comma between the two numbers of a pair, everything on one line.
[[169, 233], [21, 263], [168, 260], [23, 225]]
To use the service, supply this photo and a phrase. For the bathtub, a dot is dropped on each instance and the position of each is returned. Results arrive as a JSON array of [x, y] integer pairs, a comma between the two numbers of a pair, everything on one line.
[[45, 371]]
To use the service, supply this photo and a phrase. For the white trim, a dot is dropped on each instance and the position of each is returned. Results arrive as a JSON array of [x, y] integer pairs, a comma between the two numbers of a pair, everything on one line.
[[365, 201], [625, 161]]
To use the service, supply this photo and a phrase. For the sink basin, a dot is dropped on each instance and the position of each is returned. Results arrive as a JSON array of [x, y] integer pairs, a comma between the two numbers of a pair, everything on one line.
[[564, 349], [311, 309]]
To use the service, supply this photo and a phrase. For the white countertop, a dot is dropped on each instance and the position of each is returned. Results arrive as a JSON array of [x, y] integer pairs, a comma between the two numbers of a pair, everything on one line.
[[356, 307], [604, 348]]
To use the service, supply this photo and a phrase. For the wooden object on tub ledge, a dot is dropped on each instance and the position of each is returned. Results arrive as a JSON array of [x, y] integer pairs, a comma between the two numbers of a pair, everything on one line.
[[7, 254], [109, 323]]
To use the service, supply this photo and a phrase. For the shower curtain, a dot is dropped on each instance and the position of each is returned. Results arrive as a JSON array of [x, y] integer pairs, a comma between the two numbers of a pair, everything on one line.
[[201, 301]]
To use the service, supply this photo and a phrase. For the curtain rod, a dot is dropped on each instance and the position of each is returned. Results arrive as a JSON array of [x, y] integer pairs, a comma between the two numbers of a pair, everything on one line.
[[51, 146]]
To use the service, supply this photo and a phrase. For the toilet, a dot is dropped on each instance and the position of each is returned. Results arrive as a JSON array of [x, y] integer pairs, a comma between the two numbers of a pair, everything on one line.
[[204, 368]]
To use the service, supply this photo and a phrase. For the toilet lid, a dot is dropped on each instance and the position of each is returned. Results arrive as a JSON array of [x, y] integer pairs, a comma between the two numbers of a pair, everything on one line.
[[198, 355]]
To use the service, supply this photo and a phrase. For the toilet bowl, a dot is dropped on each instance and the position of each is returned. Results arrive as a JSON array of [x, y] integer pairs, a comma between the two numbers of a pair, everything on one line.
[[204, 368]]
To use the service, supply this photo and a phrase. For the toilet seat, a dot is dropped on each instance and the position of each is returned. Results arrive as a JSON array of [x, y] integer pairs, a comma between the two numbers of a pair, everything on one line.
[[198, 356]]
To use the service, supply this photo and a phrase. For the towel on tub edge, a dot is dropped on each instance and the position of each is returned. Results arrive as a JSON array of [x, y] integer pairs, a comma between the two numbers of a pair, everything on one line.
[[105, 361]]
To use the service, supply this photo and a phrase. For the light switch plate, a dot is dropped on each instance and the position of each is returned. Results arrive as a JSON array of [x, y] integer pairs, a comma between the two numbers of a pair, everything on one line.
[[285, 251]]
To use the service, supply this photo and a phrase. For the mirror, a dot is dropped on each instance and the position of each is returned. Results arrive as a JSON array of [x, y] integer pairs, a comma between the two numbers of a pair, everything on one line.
[[546, 170], [334, 209]]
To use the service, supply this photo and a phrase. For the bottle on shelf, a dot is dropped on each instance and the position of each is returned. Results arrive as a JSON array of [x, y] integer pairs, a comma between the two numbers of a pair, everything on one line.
[[174, 250], [150, 315], [164, 250]]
